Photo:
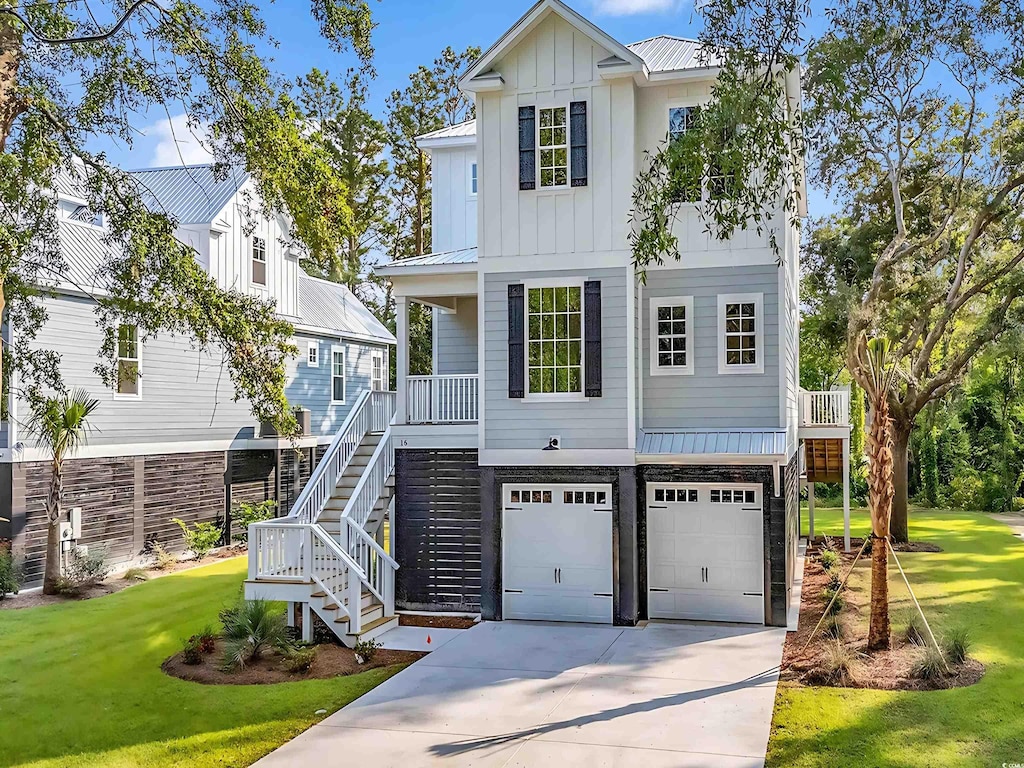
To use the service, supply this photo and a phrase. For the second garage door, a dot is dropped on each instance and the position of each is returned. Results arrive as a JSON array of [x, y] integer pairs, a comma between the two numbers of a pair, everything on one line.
[[557, 561], [705, 552]]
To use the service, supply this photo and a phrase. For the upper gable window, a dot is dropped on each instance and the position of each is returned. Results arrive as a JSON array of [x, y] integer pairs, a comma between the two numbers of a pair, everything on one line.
[[741, 333], [554, 147], [259, 261]]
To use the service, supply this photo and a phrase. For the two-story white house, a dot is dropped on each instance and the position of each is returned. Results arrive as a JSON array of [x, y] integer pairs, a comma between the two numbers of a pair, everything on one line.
[[590, 446], [169, 440]]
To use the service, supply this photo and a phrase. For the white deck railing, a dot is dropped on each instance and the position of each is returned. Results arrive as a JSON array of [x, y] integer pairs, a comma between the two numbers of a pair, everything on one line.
[[825, 409], [372, 412], [443, 399]]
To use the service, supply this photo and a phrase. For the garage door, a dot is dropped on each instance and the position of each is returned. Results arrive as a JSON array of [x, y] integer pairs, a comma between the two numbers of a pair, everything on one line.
[[705, 552], [557, 552]]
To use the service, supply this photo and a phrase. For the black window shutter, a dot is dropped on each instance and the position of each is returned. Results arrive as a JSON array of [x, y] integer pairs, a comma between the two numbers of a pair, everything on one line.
[[592, 336], [516, 341], [527, 147], [578, 142]]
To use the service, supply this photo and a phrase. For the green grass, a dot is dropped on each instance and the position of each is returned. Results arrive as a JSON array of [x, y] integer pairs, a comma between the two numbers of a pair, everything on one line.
[[976, 582], [80, 683]]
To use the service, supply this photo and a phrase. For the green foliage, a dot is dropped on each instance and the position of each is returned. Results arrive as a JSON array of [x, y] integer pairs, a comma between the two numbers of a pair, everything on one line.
[[834, 607], [829, 559], [200, 538], [84, 570], [914, 629], [251, 628], [834, 628], [162, 559], [10, 576], [957, 645], [246, 513], [300, 660], [929, 664], [839, 666], [930, 468], [367, 649]]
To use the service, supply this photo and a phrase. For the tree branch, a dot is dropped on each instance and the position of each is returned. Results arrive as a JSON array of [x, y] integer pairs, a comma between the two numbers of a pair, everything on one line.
[[96, 38]]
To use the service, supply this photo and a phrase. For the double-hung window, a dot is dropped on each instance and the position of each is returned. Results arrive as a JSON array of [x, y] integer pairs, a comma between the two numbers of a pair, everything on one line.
[[554, 147], [377, 371], [741, 333], [671, 335], [313, 354], [686, 182], [128, 361], [554, 359], [259, 261], [338, 375]]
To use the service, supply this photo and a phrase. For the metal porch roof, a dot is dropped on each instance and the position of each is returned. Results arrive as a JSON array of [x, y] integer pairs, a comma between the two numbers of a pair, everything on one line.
[[708, 442]]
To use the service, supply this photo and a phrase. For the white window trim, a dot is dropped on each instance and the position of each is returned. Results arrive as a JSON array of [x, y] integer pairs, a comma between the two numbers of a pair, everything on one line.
[[704, 196], [540, 397], [757, 299], [470, 192], [313, 354], [568, 148], [671, 301], [378, 354], [335, 348], [138, 365], [266, 261]]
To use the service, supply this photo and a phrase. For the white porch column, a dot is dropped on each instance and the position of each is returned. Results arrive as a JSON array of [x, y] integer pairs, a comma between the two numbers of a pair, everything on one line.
[[846, 492], [401, 356], [810, 512]]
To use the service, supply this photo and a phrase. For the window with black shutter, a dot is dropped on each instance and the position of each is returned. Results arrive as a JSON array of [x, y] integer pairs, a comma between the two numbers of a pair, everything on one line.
[[516, 341], [578, 142], [592, 336], [527, 148]]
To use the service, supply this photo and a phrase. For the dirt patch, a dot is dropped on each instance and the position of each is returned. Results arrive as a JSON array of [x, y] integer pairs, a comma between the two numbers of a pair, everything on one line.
[[435, 622], [115, 583], [331, 661], [804, 664], [856, 543]]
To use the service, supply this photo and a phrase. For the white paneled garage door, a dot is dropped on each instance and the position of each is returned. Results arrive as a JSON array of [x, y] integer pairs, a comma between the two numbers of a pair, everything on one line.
[[705, 552], [557, 552]]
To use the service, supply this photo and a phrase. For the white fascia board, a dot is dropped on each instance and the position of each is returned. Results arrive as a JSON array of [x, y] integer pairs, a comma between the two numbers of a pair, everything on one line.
[[346, 335], [447, 142], [669, 77]]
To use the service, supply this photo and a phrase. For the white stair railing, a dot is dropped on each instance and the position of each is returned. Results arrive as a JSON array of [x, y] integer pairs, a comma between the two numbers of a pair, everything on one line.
[[371, 484], [377, 564], [449, 399], [830, 408]]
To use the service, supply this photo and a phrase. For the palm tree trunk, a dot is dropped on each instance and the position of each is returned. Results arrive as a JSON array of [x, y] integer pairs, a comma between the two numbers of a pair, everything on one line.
[[880, 492], [53, 510]]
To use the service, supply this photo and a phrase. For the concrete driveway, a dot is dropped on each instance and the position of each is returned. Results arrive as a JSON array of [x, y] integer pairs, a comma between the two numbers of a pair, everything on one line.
[[527, 694]]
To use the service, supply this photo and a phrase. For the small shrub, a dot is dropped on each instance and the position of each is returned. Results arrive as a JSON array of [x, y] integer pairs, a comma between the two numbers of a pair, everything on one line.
[[300, 660], [828, 544], [84, 569], [913, 633], [206, 639], [834, 582], [839, 666], [135, 574], [366, 650], [200, 538], [837, 605], [957, 644], [829, 559], [192, 652], [248, 512], [251, 628], [10, 577], [929, 664], [162, 559], [1017, 505], [834, 628]]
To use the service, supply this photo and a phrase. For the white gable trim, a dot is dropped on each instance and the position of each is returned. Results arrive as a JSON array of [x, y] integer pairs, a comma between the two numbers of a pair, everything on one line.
[[479, 76]]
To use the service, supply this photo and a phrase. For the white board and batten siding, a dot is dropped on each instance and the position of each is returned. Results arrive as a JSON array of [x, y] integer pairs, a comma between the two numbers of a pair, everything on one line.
[[453, 202], [597, 423], [552, 66]]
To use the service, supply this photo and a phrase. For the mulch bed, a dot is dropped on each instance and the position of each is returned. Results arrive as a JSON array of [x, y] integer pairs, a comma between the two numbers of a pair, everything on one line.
[[115, 583], [856, 543], [883, 670], [435, 622], [331, 661]]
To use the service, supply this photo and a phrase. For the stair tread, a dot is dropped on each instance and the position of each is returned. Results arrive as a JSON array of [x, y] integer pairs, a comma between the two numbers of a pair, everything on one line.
[[369, 626]]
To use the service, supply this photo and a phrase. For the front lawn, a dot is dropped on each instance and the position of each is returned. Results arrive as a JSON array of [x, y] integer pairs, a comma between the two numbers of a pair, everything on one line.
[[976, 582], [80, 684]]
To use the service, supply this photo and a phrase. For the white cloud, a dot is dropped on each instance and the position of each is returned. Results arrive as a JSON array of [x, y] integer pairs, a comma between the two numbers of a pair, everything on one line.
[[634, 7], [176, 143]]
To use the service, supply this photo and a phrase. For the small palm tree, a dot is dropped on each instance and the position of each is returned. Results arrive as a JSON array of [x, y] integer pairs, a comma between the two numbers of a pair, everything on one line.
[[61, 425], [882, 372]]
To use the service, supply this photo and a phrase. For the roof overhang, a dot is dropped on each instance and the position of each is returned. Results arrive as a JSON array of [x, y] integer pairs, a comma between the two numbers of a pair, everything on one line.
[[337, 334], [447, 142], [397, 270], [482, 76]]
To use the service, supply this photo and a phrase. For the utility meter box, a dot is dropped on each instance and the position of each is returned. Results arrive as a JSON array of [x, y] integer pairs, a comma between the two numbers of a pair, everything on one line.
[[76, 522]]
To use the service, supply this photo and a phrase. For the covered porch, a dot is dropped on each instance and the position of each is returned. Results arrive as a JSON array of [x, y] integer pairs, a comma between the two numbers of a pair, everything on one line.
[[824, 432]]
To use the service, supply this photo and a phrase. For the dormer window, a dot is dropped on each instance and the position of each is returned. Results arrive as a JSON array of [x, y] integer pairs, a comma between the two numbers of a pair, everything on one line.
[[259, 261]]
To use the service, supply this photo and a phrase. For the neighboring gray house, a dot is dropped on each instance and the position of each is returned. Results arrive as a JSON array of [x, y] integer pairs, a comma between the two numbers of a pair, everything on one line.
[[589, 446], [171, 441]]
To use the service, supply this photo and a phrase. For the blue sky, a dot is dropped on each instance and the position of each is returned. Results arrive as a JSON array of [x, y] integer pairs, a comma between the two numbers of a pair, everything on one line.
[[409, 33]]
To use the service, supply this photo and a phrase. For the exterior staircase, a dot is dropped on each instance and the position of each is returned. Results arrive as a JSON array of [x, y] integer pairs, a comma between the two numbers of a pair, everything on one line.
[[327, 555]]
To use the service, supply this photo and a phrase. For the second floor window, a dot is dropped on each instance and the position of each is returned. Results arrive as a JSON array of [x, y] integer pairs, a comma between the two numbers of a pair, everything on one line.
[[686, 182], [473, 182], [338, 375], [259, 261], [741, 334], [128, 369], [555, 340], [554, 147], [671, 335]]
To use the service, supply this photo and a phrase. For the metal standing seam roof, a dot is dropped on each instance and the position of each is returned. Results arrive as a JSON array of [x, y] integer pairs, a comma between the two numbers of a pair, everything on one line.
[[457, 131], [191, 194], [666, 53], [334, 308], [84, 251], [705, 442], [443, 258]]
